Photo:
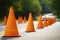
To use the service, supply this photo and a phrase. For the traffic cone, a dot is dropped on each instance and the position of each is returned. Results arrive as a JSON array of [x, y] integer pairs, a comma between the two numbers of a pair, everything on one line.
[[30, 26], [45, 22], [24, 19], [40, 24], [50, 21], [54, 20], [19, 19], [11, 29], [5, 20]]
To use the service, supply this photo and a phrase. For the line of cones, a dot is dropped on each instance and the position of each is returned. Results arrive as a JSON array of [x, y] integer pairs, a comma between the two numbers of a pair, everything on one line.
[[41, 24], [11, 27], [45, 23], [5, 20], [20, 19]]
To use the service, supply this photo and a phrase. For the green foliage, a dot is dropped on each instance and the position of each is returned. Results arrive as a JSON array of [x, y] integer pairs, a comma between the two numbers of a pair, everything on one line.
[[44, 6], [54, 6], [23, 7]]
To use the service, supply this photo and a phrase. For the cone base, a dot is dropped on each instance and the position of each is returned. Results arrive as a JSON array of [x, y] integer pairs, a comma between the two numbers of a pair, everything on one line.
[[30, 31], [11, 36]]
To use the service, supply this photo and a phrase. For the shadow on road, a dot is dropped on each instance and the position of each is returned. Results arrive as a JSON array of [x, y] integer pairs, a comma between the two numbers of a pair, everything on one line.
[[5, 38]]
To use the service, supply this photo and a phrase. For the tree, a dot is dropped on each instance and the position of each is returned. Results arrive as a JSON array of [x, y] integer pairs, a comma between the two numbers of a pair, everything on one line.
[[54, 6], [4, 7], [23, 7], [44, 6]]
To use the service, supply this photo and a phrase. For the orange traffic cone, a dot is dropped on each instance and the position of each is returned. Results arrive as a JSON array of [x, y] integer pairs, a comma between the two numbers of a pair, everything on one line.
[[40, 24], [11, 29], [5, 20], [50, 21], [20, 19], [53, 20], [24, 19], [45, 22], [30, 26]]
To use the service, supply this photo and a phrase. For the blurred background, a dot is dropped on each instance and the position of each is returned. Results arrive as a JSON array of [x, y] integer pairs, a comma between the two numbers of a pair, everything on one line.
[[23, 7]]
